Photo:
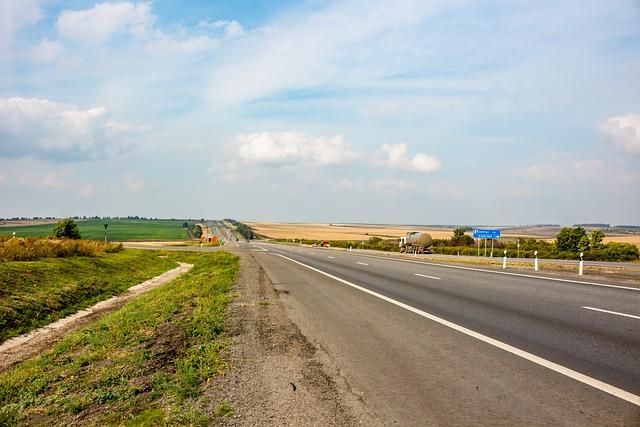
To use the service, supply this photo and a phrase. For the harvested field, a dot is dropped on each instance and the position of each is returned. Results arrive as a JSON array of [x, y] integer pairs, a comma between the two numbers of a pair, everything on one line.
[[279, 230], [340, 231]]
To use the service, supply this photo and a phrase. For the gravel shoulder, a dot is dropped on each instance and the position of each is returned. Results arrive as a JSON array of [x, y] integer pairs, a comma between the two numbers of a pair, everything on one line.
[[276, 376]]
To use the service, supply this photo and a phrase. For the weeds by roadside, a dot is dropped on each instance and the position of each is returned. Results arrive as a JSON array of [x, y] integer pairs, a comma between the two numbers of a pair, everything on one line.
[[33, 248]]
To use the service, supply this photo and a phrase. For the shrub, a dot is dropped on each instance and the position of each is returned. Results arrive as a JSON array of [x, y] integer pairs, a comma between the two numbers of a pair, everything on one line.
[[66, 229], [32, 248]]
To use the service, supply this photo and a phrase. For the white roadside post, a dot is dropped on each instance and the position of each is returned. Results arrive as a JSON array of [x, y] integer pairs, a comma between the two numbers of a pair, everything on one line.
[[504, 260], [535, 261], [349, 248], [14, 234], [581, 265]]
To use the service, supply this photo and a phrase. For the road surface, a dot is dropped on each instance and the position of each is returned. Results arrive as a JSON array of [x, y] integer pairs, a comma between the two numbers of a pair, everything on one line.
[[450, 345]]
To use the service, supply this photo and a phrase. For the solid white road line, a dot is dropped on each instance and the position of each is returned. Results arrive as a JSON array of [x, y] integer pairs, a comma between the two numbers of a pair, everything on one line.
[[428, 277], [612, 312], [585, 379], [362, 263], [332, 257]]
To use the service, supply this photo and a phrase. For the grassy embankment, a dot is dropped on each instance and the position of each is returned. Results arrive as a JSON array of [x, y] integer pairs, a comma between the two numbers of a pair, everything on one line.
[[119, 229], [37, 292], [144, 364]]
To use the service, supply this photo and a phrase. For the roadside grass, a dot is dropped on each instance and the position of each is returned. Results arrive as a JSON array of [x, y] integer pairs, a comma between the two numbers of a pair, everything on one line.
[[35, 293], [144, 364], [119, 229], [34, 248]]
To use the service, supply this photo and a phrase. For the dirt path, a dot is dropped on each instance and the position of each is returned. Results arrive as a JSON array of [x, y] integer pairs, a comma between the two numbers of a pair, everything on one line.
[[277, 377], [33, 343]]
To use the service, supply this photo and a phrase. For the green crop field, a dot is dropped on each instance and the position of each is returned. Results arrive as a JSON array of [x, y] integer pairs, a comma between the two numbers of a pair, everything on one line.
[[119, 229]]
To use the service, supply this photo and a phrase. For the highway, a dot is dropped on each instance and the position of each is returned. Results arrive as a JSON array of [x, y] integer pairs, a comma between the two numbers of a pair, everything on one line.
[[423, 344]]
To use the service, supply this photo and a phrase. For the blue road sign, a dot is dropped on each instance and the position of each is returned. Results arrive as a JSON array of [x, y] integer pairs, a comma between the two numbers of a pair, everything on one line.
[[486, 234]]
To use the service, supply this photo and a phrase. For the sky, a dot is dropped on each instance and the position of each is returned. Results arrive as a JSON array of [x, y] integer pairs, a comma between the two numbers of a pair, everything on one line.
[[377, 111]]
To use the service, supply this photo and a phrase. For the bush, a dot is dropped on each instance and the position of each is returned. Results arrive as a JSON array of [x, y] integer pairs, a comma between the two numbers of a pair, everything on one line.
[[66, 229]]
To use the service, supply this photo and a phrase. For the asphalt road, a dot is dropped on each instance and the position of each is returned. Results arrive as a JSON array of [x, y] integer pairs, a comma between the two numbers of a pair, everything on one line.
[[447, 345]]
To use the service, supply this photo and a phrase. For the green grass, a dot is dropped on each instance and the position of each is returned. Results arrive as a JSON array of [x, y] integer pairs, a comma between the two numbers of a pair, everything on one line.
[[119, 230], [34, 293], [145, 364]]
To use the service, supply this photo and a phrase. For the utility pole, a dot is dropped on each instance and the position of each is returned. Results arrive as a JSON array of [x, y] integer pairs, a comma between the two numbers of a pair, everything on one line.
[[105, 231]]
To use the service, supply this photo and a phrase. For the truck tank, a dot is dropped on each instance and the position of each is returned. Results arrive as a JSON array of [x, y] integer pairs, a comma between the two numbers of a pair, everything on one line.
[[419, 239]]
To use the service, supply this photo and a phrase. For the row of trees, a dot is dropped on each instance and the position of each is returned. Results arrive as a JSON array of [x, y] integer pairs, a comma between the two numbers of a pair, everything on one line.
[[569, 243]]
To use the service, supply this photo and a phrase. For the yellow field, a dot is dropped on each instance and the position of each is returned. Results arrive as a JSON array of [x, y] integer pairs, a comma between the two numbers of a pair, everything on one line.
[[340, 231], [279, 230], [634, 239]]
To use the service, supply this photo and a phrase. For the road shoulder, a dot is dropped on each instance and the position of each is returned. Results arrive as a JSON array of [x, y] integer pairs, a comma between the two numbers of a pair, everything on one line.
[[277, 377]]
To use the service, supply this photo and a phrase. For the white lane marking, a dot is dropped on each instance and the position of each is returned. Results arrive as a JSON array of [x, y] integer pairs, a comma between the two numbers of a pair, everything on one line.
[[362, 263], [504, 272], [612, 312], [312, 253], [332, 257], [585, 379], [428, 277]]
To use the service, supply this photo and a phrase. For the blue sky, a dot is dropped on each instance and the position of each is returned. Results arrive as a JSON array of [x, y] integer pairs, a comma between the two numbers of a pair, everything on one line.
[[349, 111]]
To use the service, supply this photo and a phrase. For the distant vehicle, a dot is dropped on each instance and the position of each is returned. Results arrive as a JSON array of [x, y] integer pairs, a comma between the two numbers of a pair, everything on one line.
[[417, 242], [325, 244]]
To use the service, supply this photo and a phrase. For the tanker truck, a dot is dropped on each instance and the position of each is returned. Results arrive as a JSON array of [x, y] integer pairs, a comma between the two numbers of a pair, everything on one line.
[[417, 242]]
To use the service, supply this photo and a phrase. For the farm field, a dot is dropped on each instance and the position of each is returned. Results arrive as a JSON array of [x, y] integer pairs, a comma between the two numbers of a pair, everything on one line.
[[145, 364], [119, 229], [35, 293], [339, 231], [364, 232]]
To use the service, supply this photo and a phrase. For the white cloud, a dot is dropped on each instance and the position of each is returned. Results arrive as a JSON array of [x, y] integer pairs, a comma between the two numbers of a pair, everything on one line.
[[132, 182], [53, 180], [291, 148], [585, 173], [48, 129], [14, 16], [46, 50], [87, 190], [623, 132], [392, 184], [101, 22], [230, 28], [395, 156]]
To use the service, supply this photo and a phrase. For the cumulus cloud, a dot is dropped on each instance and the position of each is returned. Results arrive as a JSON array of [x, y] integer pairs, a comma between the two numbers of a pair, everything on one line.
[[48, 129], [101, 22], [14, 16], [46, 50], [87, 190], [52, 180], [230, 28], [392, 184], [291, 148], [623, 132], [132, 182], [395, 156]]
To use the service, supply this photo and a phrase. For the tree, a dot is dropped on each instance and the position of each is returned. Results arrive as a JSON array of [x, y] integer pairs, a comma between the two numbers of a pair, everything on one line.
[[461, 239], [583, 244], [66, 229], [569, 239], [597, 236]]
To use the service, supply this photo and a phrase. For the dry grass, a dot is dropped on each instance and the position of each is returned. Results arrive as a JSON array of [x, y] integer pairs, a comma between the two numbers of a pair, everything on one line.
[[33, 248], [340, 231]]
